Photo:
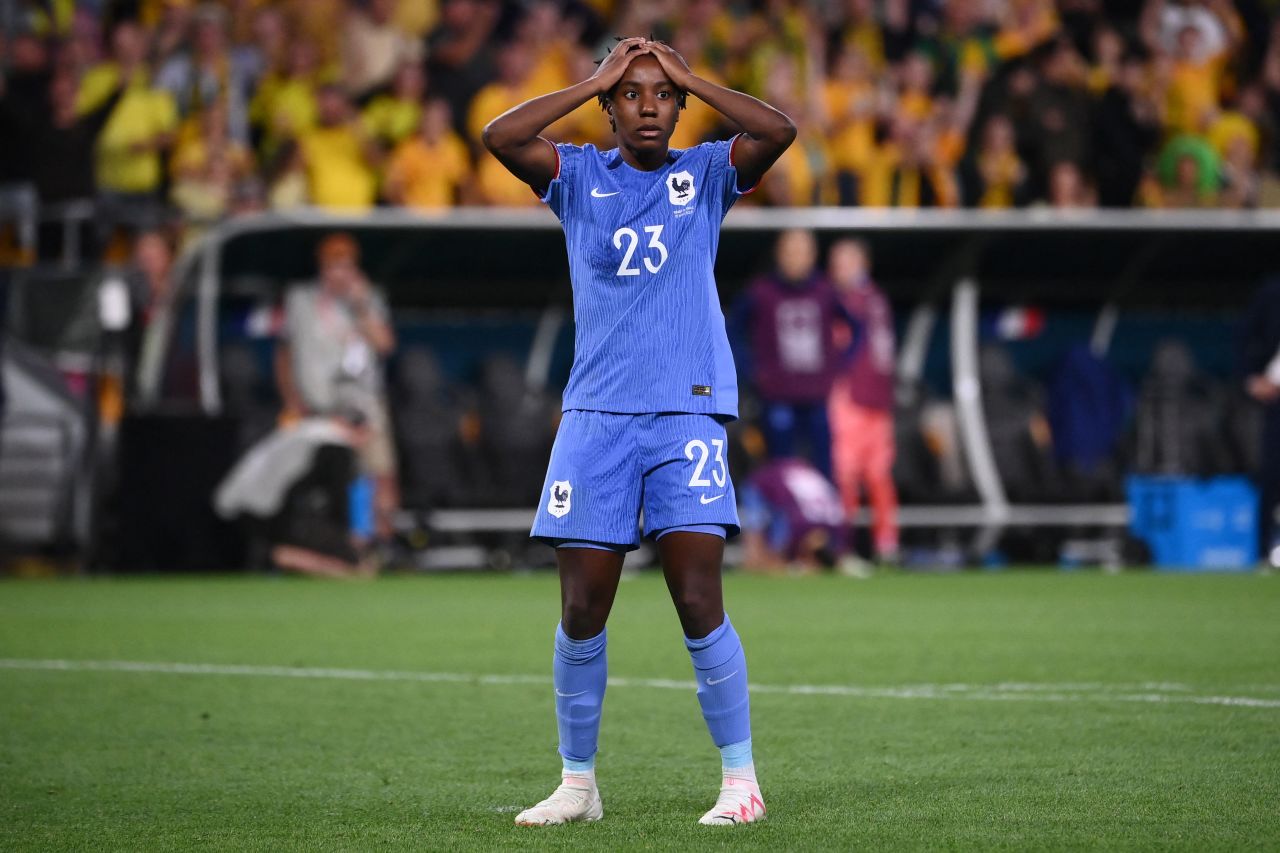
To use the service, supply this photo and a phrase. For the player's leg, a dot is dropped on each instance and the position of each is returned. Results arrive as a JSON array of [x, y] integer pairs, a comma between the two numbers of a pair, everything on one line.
[[691, 563], [845, 452], [818, 430], [591, 500], [690, 507], [779, 425], [881, 491], [589, 577]]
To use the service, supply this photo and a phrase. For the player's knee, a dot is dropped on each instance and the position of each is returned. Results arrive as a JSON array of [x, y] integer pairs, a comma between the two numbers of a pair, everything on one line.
[[582, 620], [700, 612]]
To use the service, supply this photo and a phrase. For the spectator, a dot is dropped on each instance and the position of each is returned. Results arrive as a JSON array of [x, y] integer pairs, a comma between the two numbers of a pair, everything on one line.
[[1198, 40], [862, 398], [1126, 125], [340, 160], [24, 87], [1236, 138], [798, 176], [497, 186], [1187, 175], [428, 171], [850, 102], [130, 166], [286, 179], [995, 177], [1067, 187], [329, 362], [587, 125], [788, 316], [1059, 114], [169, 24], [264, 49], [206, 168], [1261, 356], [460, 57], [83, 47], [392, 118], [883, 93], [205, 76], [285, 106], [59, 143], [907, 171], [373, 48], [698, 120]]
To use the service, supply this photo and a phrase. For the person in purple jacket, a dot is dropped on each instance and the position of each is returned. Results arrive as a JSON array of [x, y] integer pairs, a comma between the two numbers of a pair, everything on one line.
[[788, 318]]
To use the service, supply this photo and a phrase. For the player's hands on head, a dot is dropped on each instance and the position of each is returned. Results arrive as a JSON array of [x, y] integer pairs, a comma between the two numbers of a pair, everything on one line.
[[615, 64], [672, 63]]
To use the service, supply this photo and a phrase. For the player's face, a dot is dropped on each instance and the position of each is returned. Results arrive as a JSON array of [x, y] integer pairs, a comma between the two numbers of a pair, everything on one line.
[[644, 106]]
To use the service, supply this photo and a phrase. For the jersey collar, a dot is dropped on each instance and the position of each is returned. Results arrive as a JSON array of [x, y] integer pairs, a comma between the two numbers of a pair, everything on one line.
[[613, 160]]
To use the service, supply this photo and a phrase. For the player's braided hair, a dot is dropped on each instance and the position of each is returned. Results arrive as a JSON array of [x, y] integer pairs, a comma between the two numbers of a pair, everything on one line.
[[603, 99]]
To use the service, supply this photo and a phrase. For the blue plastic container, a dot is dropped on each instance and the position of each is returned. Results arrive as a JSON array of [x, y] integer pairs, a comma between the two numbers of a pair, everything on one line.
[[1196, 525]]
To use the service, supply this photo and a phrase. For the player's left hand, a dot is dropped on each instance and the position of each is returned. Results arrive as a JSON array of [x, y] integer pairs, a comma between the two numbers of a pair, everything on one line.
[[672, 63]]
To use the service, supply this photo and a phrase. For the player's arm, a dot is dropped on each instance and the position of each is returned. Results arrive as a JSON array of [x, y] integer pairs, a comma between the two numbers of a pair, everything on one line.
[[513, 137], [766, 132]]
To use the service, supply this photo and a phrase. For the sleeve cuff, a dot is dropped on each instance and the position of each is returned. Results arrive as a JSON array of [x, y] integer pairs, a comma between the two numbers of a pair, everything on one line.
[[733, 142], [545, 197]]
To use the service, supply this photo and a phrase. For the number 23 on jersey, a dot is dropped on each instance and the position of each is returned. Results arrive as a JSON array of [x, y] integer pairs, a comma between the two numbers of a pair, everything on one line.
[[626, 240]]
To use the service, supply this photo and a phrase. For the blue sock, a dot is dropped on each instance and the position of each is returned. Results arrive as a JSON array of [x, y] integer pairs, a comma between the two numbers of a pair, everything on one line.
[[579, 671], [736, 756], [720, 668]]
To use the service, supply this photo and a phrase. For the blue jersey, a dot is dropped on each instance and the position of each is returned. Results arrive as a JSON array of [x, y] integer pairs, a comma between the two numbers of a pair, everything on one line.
[[650, 335]]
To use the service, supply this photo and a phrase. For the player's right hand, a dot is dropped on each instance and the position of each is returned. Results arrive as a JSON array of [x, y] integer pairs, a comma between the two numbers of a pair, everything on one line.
[[615, 64]]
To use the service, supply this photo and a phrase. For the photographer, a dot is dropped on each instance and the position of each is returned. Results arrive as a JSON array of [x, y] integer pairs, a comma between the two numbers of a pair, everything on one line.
[[329, 363]]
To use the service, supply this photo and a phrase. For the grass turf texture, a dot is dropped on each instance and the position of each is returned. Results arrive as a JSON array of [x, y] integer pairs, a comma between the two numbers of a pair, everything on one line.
[[147, 760]]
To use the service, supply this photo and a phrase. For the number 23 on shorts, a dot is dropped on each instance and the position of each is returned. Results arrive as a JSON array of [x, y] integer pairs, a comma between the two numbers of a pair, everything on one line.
[[697, 452]]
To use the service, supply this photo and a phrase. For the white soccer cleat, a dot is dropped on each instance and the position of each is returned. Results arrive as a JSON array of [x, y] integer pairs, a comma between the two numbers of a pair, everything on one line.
[[577, 799], [740, 802]]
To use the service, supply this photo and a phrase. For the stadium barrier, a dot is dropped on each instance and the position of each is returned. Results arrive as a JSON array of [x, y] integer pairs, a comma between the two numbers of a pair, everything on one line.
[[943, 261]]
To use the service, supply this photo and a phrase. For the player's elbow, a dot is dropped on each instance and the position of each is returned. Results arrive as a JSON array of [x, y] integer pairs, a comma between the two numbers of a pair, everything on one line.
[[785, 134], [489, 137], [495, 138], [780, 133]]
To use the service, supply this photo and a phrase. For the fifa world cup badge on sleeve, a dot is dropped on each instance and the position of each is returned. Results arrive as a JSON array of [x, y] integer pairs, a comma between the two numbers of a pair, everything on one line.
[[559, 503]]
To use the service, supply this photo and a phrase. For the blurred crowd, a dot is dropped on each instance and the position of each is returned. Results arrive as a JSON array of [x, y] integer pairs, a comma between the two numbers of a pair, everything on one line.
[[213, 108]]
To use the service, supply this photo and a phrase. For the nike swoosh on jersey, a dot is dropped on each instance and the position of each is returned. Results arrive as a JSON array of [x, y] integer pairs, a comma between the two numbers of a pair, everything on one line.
[[714, 682], [706, 500], [595, 193]]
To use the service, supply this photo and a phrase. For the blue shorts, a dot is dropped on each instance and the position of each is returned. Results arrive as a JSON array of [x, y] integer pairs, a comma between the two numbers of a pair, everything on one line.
[[605, 468]]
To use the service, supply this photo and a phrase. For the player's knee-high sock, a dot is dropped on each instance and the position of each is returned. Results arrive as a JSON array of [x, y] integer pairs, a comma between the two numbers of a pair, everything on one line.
[[721, 670], [580, 671]]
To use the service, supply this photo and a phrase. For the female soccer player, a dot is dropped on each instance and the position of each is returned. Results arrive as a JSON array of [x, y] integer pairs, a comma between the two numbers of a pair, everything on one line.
[[652, 385]]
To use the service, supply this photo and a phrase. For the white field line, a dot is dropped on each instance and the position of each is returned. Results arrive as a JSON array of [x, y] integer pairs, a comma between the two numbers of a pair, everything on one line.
[[1144, 692]]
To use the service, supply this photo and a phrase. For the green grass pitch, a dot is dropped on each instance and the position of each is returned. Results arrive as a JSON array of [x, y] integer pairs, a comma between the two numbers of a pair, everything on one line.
[[1016, 710]]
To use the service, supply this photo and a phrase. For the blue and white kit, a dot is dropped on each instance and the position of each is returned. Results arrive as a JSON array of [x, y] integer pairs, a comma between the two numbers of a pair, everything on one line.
[[653, 380]]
